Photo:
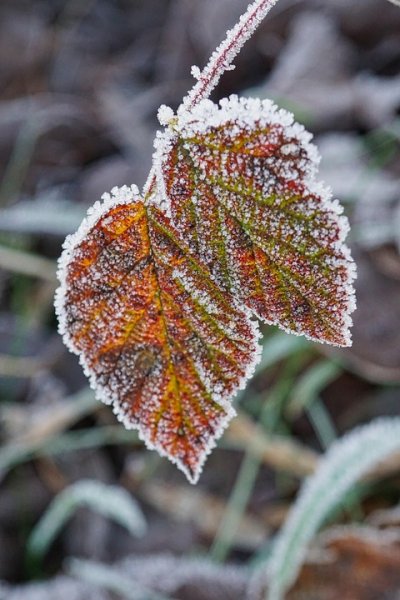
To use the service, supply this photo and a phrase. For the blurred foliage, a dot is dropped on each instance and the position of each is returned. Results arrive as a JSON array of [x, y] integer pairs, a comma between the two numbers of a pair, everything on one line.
[[80, 86]]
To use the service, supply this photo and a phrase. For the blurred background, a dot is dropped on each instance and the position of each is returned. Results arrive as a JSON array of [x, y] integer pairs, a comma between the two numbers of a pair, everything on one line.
[[80, 84]]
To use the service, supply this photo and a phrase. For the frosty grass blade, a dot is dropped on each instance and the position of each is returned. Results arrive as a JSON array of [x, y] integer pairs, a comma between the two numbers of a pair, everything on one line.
[[239, 183], [156, 337]]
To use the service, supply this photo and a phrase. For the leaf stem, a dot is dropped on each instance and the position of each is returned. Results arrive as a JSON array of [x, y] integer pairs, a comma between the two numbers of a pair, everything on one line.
[[221, 60]]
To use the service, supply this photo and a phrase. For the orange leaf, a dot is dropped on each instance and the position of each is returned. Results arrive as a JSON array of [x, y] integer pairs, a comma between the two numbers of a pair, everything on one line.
[[239, 181], [157, 338]]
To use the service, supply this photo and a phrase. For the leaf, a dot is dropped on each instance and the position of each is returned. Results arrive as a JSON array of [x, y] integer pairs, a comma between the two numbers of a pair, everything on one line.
[[157, 338], [346, 461], [239, 183]]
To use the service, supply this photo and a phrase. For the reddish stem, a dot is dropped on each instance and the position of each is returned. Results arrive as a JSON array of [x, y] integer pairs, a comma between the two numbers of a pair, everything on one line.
[[227, 51]]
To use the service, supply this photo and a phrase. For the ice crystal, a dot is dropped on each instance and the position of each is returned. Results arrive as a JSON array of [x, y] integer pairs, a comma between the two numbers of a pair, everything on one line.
[[195, 72], [165, 114]]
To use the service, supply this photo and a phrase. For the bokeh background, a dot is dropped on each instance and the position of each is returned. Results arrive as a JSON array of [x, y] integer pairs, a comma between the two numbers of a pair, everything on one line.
[[80, 84]]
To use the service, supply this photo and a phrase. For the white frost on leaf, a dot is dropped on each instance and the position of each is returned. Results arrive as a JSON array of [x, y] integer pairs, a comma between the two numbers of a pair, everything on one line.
[[195, 72], [122, 195], [245, 113]]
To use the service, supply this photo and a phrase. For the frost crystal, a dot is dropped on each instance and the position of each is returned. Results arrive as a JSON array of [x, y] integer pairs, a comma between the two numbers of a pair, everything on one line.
[[195, 72], [165, 114]]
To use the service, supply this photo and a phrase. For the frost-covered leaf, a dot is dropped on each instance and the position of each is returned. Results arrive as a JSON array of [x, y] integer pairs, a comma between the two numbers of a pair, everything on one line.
[[239, 181], [157, 338]]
